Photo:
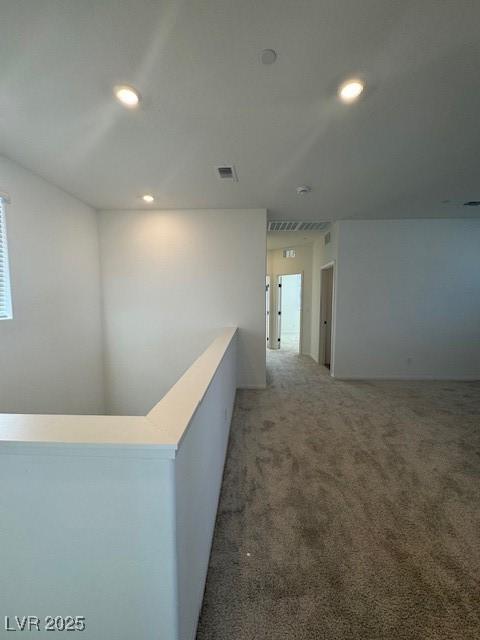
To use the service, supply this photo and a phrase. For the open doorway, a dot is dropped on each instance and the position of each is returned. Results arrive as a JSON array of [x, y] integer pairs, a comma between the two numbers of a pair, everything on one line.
[[326, 315], [289, 312]]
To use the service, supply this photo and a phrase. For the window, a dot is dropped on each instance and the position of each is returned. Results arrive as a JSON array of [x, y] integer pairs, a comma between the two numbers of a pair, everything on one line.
[[5, 298], [289, 253]]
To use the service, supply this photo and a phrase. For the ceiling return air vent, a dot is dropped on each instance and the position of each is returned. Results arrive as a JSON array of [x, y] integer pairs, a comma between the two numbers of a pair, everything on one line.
[[282, 225], [226, 172]]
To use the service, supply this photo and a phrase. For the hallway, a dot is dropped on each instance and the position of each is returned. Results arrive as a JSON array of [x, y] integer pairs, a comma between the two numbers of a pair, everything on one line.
[[349, 511]]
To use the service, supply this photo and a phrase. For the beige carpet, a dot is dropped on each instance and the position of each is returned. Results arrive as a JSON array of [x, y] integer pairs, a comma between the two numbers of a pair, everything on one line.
[[348, 511]]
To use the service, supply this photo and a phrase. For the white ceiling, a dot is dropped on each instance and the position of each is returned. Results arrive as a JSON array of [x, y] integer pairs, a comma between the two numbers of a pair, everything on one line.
[[410, 143]]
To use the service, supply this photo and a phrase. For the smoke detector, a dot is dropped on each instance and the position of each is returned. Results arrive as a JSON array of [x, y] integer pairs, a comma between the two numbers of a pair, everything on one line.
[[268, 56], [303, 190]]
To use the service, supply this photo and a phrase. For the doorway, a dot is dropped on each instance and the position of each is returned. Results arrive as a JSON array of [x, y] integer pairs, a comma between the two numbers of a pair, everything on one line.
[[326, 316], [290, 312]]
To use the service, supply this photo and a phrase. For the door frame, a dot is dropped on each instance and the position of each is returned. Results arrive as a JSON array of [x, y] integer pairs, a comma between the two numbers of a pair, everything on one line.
[[268, 308], [321, 340], [278, 305]]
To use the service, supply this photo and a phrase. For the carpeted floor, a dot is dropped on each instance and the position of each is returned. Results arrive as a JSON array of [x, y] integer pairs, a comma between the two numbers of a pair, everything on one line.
[[349, 511]]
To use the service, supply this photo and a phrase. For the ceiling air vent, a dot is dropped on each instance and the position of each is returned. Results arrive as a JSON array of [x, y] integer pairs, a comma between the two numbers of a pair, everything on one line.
[[311, 226], [281, 225], [226, 172]]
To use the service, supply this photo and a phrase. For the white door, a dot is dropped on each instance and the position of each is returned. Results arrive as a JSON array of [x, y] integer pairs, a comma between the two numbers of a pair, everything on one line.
[[267, 309], [290, 312], [326, 315], [279, 311]]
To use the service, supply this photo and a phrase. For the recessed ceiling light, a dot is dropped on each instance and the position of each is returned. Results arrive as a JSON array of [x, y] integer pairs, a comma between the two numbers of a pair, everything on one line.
[[350, 90], [148, 198], [268, 56], [128, 96]]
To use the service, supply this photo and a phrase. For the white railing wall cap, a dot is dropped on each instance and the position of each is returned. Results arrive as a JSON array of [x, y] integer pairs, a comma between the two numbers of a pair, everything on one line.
[[158, 434]]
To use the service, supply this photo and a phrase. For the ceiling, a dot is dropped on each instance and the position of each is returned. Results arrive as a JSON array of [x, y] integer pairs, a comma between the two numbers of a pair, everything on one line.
[[412, 141]]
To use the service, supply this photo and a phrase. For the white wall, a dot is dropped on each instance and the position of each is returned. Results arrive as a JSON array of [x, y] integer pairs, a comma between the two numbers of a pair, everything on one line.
[[121, 529], [171, 279], [90, 536], [322, 255], [301, 263], [408, 299], [50, 352], [198, 480]]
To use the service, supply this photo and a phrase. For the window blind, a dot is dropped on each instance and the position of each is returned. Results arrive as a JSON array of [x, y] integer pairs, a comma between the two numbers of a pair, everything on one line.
[[5, 300]]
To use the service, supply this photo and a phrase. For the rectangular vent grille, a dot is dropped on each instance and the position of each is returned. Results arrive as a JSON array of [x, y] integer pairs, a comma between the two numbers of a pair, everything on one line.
[[227, 172], [280, 225], [312, 226]]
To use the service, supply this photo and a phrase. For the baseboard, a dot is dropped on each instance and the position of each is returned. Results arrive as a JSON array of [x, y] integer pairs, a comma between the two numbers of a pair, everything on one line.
[[407, 378], [252, 386]]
